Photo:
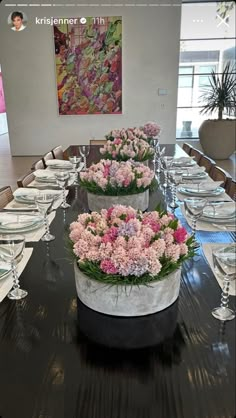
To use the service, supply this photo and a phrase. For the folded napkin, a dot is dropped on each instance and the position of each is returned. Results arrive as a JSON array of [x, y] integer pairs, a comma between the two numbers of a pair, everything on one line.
[[7, 282], [211, 225], [194, 170], [44, 174], [59, 163], [23, 191], [207, 251], [7, 218], [183, 160], [208, 186]]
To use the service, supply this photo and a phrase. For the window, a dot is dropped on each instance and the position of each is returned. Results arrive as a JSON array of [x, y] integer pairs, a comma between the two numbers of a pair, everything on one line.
[[206, 44]]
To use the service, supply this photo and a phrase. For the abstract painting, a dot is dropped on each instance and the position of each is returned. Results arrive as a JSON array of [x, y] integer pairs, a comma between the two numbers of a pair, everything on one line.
[[89, 65]]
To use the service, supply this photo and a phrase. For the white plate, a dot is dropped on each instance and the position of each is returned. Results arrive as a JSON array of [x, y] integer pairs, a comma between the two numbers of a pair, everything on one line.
[[190, 176], [5, 269], [201, 193]]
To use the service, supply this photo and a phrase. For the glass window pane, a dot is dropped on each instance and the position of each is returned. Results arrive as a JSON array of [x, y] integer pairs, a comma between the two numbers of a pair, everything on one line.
[[207, 69], [186, 70], [185, 81]]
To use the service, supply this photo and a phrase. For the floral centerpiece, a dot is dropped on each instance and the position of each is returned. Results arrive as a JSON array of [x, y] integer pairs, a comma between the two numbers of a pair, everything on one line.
[[124, 134], [109, 182], [137, 255], [124, 149], [151, 129]]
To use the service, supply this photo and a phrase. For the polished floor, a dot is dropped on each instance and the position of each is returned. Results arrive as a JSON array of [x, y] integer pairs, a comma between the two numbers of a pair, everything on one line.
[[11, 168]]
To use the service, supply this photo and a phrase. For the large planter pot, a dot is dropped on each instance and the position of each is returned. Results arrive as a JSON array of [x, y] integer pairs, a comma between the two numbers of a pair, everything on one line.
[[137, 201], [217, 138], [131, 300]]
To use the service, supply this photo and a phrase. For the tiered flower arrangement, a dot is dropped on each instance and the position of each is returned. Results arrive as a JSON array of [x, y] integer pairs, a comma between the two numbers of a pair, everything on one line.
[[123, 246], [121, 149], [113, 178]]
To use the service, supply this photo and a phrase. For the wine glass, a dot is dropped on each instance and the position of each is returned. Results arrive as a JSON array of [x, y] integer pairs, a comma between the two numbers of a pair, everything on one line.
[[84, 152], [62, 178], [75, 161], [224, 261], [11, 247], [175, 178], [194, 208], [159, 155], [44, 202]]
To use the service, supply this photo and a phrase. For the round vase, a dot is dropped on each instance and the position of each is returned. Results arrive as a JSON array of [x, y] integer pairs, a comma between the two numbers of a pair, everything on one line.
[[138, 201], [127, 300]]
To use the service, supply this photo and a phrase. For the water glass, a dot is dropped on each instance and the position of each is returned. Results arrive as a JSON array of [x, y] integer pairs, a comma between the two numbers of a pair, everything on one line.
[[62, 178], [175, 179], [224, 261], [44, 203], [84, 152], [167, 163], [194, 208], [11, 247]]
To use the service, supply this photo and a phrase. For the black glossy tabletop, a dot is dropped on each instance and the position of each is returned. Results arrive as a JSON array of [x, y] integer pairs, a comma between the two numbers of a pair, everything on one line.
[[59, 359]]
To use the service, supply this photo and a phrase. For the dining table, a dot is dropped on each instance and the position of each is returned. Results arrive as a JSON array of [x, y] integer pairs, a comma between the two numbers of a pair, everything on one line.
[[60, 359]]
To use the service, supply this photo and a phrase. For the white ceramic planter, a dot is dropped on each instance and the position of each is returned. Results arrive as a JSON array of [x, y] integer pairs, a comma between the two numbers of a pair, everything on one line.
[[137, 201], [127, 300]]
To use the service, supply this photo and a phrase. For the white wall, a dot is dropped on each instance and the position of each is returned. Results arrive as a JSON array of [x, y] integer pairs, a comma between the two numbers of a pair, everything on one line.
[[150, 61]]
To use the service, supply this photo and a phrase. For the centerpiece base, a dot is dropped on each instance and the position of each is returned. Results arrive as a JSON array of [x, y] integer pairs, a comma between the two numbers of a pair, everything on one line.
[[138, 201], [127, 300]]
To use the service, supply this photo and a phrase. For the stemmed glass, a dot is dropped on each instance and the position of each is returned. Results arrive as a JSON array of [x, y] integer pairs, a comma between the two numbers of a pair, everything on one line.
[[11, 247], [159, 155], [44, 203], [74, 161], [62, 178], [224, 261], [175, 178], [167, 163], [84, 152], [194, 208]]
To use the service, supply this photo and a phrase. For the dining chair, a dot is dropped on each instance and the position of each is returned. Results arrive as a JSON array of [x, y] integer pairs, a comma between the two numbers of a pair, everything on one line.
[[46, 157], [230, 188], [197, 154], [98, 141], [206, 162], [187, 148], [57, 152], [218, 174], [38, 165], [26, 179], [6, 196]]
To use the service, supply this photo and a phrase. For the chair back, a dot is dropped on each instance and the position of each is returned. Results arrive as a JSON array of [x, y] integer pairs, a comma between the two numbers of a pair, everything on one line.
[[57, 152], [26, 179], [46, 157], [6, 196], [187, 148], [98, 141], [197, 154], [206, 162], [38, 165], [218, 174], [230, 188]]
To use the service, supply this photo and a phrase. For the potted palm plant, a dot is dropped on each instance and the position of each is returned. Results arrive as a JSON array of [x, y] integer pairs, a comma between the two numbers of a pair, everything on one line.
[[217, 136]]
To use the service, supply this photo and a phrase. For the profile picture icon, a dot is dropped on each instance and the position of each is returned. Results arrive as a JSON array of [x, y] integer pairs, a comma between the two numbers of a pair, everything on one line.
[[17, 20]]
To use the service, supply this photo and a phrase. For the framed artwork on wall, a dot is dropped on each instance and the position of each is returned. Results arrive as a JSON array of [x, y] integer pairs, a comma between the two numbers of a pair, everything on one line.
[[88, 56]]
